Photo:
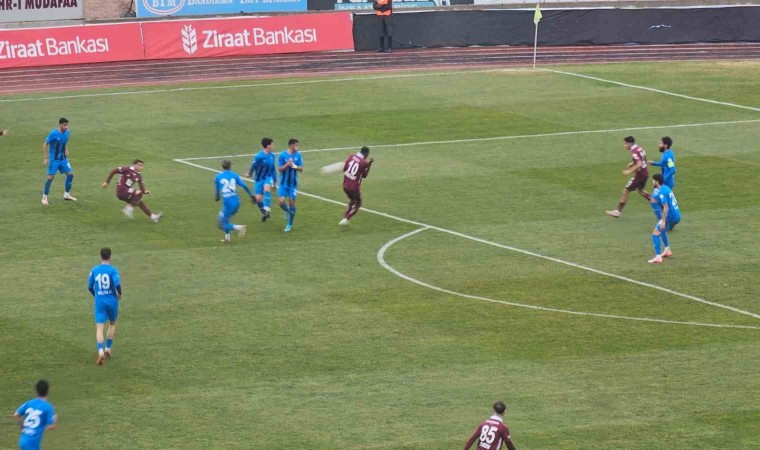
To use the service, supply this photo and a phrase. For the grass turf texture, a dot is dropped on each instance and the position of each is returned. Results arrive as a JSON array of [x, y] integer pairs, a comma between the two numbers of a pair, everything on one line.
[[305, 341]]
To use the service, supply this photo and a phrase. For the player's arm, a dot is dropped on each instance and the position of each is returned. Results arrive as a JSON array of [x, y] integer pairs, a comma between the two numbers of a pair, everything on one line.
[[507, 438], [254, 166], [45, 152], [216, 192], [632, 168], [665, 209], [53, 423], [297, 167], [670, 164], [245, 187], [471, 440], [91, 284], [110, 177], [117, 284], [18, 416], [365, 174], [283, 164], [142, 186]]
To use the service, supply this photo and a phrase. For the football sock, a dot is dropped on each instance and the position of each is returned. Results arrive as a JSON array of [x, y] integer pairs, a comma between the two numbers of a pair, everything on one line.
[[620, 206], [267, 200], [69, 181], [100, 346], [292, 215], [664, 236], [145, 209], [657, 210], [109, 343], [260, 205], [656, 242], [227, 236], [237, 227], [48, 182], [285, 208]]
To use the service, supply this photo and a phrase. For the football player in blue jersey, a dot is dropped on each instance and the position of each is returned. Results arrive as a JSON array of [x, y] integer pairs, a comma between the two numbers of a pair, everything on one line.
[[290, 164], [227, 183], [668, 165], [56, 159], [671, 215], [264, 175], [104, 283], [34, 417]]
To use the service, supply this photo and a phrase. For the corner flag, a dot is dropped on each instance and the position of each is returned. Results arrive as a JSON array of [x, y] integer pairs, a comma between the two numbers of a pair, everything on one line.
[[537, 16]]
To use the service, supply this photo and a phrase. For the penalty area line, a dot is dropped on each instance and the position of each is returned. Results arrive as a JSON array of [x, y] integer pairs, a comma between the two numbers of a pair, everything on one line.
[[381, 260], [514, 249]]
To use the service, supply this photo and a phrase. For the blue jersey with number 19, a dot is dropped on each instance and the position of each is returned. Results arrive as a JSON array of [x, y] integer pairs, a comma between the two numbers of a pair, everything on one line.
[[227, 183], [104, 283]]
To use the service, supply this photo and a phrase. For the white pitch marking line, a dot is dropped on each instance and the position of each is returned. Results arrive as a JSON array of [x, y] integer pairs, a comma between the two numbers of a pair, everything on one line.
[[495, 138], [515, 249], [280, 83], [388, 267], [659, 91]]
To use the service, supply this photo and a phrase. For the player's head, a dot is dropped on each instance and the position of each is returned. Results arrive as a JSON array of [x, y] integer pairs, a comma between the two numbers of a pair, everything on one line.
[[138, 164], [63, 124], [226, 164], [293, 144], [499, 408], [364, 151], [665, 143], [105, 254], [628, 141], [266, 144], [42, 387], [658, 180]]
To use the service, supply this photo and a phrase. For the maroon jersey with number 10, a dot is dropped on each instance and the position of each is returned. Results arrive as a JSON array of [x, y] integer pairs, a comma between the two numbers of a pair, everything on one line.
[[490, 435], [355, 169]]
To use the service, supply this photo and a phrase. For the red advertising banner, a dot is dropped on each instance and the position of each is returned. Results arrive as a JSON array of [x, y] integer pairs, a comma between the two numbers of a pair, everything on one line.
[[70, 45], [248, 36]]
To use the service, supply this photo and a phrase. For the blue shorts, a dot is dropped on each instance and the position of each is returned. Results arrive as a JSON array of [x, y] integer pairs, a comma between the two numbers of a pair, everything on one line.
[[106, 310], [27, 443], [258, 186], [230, 207], [286, 192], [56, 166], [670, 182], [670, 223]]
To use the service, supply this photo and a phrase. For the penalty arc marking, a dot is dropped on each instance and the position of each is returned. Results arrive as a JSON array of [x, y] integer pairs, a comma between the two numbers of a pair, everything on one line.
[[511, 248], [388, 267]]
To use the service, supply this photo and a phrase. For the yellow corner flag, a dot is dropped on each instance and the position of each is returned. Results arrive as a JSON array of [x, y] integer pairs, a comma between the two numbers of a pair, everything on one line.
[[537, 16]]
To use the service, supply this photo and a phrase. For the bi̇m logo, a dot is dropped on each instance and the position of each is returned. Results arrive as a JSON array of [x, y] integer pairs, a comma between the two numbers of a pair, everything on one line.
[[163, 7]]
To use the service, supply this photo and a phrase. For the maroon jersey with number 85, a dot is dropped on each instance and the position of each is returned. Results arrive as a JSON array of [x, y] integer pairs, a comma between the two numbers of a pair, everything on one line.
[[491, 434]]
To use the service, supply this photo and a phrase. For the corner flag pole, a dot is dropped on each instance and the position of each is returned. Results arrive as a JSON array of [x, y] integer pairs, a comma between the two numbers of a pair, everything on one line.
[[537, 16]]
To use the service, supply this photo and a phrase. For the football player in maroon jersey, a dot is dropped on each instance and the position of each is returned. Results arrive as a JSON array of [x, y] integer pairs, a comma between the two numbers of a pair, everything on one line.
[[355, 169], [492, 433], [131, 189], [637, 167]]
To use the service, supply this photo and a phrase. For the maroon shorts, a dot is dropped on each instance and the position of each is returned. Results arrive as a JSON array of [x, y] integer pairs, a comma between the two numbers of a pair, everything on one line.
[[128, 197], [354, 196], [637, 181]]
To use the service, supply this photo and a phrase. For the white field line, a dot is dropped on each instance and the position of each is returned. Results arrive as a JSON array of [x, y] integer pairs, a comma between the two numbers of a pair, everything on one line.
[[388, 267], [279, 83], [514, 249], [495, 138], [659, 91]]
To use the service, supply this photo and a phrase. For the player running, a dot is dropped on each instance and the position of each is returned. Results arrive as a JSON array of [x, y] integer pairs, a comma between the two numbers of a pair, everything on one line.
[[55, 156], [227, 183], [290, 164], [355, 169], [130, 179], [668, 165], [638, 181], [492, 433], [264, 172], [34, 417], [671, 215], [104, 284]]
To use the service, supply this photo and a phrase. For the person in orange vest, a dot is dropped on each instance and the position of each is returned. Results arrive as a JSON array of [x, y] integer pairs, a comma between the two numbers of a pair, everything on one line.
[[384, 9]]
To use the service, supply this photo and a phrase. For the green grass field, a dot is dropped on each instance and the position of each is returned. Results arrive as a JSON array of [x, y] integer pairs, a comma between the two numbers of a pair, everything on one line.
[[306, 341]]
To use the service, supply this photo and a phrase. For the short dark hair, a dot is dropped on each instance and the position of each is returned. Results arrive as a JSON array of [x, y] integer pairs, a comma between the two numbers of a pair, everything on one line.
[[658, 177], [667, 141], [364, 151], [499, 407], [105, 253], [226, 164], [292, 141], [42, 388], [63, 120], [138, 161], [630, 139], [266, 142]]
